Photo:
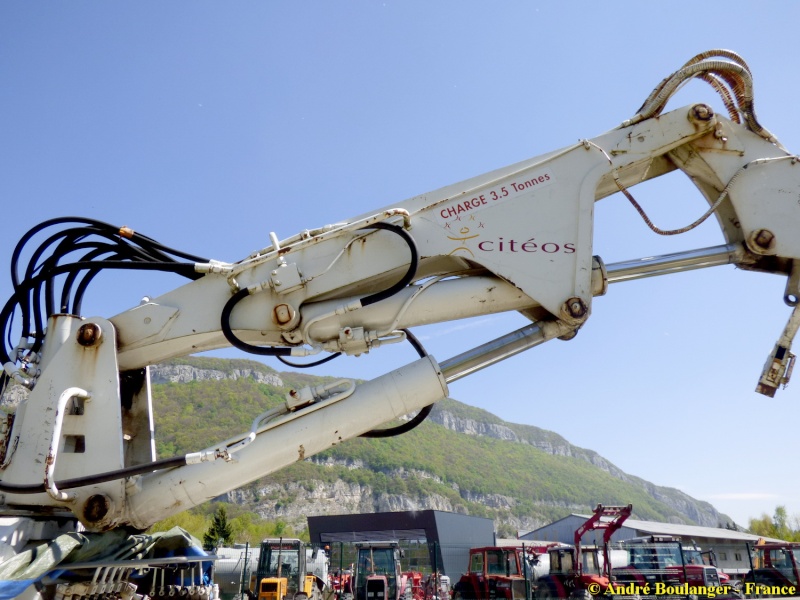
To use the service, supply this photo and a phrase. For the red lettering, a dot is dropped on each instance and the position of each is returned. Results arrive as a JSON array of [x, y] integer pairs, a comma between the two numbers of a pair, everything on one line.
[[447, 212], [511, 245]]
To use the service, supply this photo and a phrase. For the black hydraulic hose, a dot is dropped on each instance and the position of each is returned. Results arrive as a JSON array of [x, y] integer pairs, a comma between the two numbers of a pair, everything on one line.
[[41, 226], [37, 488], [77, 300], [316, 363], [32, 267], [225, 316], [225, 325], [148, 242], [419, 417], [29, 309], [66, 288], [412, 268], [148, 250], [185, 269], [121, 245], [69, 245], [400, 429]]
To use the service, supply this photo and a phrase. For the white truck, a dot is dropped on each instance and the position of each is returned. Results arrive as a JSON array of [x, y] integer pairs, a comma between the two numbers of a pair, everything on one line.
[[78, 453]]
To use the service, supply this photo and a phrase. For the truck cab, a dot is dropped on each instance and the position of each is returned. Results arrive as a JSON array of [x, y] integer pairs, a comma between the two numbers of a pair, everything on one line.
[[663, 559], [494, 572], [378, 574], [281, 573], [775, 564]]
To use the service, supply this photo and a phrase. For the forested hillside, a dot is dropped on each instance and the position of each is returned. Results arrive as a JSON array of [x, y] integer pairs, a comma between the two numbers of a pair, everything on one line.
[[461, 459]]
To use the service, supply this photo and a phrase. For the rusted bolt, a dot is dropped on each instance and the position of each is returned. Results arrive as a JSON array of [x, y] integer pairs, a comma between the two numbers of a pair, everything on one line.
[[89, 334], [762, 241], [576, 308], [702, 112], [96, 508]]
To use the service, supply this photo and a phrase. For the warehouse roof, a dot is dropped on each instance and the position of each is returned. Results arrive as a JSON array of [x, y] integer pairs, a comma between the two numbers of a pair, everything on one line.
[[674, 529]]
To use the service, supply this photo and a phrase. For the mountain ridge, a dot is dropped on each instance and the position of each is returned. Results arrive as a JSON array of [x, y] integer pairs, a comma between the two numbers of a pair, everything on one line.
[[451, 462]]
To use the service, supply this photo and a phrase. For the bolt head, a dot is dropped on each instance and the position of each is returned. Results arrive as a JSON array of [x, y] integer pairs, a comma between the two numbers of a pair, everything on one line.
[[89, 334], [702, 112]]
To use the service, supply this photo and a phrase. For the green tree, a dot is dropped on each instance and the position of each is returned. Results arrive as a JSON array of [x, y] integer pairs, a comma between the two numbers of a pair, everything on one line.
[[220, 532], [777, 527], [781, 520]]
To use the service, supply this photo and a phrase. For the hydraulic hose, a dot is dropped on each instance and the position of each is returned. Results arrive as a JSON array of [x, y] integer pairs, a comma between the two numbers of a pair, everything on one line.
[[419, 417], [36, 488], [225, 316]]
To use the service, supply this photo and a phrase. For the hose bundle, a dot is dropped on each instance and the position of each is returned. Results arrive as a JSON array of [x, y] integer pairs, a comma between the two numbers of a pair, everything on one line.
[[60, 269]]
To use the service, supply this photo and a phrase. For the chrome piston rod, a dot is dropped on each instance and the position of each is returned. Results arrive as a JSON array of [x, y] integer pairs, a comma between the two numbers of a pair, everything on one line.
[[677, 262], [534, 334]]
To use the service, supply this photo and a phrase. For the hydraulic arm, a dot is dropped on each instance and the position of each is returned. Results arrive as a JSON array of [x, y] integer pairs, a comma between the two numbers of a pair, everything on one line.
[[515, 239]]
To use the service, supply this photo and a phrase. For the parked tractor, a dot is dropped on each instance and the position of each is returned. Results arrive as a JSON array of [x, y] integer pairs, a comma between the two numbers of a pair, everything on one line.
[[664, 561], [494, 572], [775, 567], [282, 573], [377, 574], [577, 569]]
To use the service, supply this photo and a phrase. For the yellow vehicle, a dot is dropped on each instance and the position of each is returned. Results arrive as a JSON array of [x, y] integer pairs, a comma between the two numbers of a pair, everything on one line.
[[281, 573]]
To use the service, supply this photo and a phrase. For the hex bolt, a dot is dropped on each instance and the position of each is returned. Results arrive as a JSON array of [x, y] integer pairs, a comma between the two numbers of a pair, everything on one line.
[[89, 334], [576, 308], [764, 239]]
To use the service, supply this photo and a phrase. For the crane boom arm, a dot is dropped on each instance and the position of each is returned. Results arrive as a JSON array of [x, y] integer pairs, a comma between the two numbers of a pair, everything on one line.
[[516, 239]]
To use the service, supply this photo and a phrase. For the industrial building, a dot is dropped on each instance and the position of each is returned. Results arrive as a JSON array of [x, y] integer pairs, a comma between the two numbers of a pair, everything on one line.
[[449, 536], [730, 547]]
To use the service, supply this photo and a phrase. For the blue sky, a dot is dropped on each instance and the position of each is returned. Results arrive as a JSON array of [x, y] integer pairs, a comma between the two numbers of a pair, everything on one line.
[[207, 125]]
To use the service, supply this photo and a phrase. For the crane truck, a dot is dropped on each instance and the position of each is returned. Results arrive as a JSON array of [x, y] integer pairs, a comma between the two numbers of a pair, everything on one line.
[[79, 478]]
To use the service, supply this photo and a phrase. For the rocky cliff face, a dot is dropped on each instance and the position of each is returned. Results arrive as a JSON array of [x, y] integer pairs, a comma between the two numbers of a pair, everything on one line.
[[701, 513], [292, 503], [186, 373]]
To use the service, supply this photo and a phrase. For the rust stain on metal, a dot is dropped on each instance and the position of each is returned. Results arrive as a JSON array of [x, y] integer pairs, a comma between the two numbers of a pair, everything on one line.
[[283, 314], [96, 508], [48, 462], [89, 335]]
